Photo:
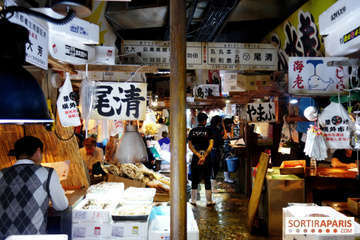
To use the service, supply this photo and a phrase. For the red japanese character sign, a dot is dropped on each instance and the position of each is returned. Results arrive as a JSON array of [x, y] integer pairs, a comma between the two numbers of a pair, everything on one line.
[[313, 75]]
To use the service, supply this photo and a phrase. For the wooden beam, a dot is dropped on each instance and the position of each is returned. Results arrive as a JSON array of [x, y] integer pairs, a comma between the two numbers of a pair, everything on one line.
[[178, 120], [117, 68], [59, 66]]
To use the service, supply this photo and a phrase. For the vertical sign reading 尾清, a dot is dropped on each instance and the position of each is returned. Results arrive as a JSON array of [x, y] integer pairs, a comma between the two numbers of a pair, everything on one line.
[[37, 47], [121, 101], [260, 112], [312, 75]]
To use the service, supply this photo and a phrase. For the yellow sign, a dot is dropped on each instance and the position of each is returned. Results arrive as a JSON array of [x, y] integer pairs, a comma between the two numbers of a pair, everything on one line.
[[107, 36], [298, 36]]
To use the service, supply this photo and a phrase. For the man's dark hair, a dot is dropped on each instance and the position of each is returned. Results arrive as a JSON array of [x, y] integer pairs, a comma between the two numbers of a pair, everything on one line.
[[164, 134], [201, 117], [27, 146]]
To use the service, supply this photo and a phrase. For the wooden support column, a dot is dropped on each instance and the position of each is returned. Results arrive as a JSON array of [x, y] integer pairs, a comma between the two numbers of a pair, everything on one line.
[[178, 119]]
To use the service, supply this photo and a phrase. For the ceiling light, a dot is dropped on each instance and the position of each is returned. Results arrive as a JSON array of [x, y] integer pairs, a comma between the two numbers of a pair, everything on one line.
[[293, 101], [82, 8], [22, 100]]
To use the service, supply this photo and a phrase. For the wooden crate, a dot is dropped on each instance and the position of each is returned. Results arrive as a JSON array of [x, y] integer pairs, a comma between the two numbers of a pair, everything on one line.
[[354, 205], [286, 170]]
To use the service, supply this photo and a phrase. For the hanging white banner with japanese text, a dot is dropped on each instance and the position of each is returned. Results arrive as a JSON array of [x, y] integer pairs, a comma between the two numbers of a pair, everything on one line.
[[66, 105], [37, 47], [203, 55], [120, 100], [261, 112], [335, 123], [312, 75]]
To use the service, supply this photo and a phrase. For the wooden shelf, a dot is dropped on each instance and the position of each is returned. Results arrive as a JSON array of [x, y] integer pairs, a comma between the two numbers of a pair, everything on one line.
[[59, 66]]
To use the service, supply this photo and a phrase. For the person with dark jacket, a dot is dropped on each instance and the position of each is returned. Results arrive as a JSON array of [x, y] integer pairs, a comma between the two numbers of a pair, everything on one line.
[[25, 190], [201, 143], [217, 133]]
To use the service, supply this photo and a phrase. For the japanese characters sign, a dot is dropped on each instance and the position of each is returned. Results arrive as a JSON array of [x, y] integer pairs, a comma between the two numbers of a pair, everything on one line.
[[299, 34], [206, 90], [260, 112], [37, 47], [120, 100], [313, 76], [335, 125], [66, 105], [70, 51], [202, 55]]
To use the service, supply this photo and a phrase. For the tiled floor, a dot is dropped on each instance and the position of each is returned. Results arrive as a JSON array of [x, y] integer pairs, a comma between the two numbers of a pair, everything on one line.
[[227, 219]]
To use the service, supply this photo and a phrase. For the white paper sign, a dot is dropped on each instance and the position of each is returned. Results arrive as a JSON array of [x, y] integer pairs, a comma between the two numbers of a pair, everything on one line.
[[335, 125], [61, 168], [312, 75], [260, 112], [203, 55], [68, 112], [206, 90], [37, 48], [120, 100]]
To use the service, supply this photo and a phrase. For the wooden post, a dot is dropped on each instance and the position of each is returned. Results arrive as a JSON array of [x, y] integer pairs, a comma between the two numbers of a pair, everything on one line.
[[178, 120]]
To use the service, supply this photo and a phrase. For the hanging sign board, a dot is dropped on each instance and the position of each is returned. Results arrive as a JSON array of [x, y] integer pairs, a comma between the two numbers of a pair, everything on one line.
[[260, 112], [335, 125], [206, 90], [202, 55], [312, 75], [120, 100], [37, 48], [70, 51], [340, 26]]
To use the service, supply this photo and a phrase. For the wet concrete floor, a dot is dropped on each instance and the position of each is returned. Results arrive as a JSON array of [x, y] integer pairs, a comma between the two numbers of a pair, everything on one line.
[[227, 220]]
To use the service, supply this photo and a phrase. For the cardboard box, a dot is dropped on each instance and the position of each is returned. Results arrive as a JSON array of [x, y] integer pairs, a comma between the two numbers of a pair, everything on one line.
[[354, 205], [91, 230], [253, 82], [291, 167]]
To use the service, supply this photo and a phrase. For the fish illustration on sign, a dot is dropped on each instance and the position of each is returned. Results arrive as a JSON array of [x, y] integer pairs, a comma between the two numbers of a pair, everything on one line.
[[315, 82]]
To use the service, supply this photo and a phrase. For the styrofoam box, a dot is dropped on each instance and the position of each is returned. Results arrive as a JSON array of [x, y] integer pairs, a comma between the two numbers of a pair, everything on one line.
[[129, 229], [106, 190], [91, 230], [302, 211], [38, 237], [77, 29], [159, 228], [104, 55], [93, 215], [133, 195]]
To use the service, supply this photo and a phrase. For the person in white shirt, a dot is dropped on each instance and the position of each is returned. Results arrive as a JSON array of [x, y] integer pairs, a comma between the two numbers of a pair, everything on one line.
[[91, 154], [25, 191]]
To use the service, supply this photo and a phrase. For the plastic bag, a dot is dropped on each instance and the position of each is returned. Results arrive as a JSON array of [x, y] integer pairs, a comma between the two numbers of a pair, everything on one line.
[[68, 112], [336, 125], [87, 93], [315, 145]]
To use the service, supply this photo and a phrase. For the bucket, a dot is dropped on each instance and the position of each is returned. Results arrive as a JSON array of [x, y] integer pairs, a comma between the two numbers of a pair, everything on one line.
[[232, 163]]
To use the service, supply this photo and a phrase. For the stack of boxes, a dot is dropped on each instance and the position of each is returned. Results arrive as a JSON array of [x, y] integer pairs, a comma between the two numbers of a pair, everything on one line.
[[93, 217]]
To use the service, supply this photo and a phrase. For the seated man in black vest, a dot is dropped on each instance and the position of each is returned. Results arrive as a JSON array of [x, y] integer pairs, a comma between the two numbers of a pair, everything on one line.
[[25, 190]]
